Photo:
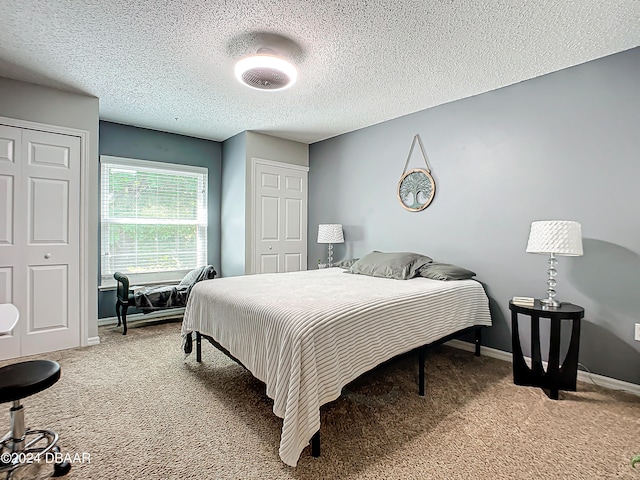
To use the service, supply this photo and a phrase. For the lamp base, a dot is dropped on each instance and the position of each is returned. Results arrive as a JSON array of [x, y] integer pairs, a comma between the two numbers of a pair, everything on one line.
[[550, 303], [330, 255]]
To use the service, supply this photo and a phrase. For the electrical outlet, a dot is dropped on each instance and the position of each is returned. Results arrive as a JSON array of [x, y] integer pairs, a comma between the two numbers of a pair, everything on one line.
[[637, 336]]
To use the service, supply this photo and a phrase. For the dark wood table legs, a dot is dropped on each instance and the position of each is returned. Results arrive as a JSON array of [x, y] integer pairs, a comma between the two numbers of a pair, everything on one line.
[[558, 376]]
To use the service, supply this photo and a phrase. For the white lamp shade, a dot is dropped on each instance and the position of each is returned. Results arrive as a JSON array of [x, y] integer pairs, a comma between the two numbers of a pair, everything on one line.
[[330, 233], [560, 237]]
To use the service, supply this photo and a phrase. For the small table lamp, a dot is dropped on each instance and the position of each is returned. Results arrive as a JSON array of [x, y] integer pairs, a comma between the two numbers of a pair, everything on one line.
[[330, 233], [555, 237]]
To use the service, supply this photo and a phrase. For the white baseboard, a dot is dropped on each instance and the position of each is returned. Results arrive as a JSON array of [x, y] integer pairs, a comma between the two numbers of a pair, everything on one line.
[[93, 341], [583, 376], [172, 312], [488, 351]]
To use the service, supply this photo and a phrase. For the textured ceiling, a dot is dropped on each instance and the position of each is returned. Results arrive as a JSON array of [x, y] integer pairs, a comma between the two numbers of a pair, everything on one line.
[[168, 65]]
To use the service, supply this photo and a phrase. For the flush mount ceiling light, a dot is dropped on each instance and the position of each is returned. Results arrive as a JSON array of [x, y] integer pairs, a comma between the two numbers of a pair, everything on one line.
[[266, 71]]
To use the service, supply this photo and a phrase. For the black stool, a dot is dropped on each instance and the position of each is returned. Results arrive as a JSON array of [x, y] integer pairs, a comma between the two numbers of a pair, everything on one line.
[[21, 446]]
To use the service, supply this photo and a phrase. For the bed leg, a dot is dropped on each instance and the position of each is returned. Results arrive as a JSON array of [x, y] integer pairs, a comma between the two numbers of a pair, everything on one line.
[[198, 347], [421, 359], [477, 341], [315, 444]]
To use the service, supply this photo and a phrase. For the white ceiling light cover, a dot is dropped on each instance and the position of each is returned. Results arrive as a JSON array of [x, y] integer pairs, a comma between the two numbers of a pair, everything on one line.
[[266, 72]]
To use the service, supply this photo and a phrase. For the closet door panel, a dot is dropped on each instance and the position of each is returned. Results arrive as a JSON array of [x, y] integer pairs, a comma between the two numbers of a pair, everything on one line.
[[51, 180], [11, 236]]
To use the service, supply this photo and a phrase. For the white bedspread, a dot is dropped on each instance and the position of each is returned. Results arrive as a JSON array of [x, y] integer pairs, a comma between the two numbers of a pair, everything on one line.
[[308, 334]]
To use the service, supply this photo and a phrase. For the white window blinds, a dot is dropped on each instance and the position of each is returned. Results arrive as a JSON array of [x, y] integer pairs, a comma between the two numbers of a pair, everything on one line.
[[153, 219]]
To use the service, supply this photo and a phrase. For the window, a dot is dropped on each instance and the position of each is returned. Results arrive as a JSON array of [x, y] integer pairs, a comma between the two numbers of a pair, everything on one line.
[[153, 219]]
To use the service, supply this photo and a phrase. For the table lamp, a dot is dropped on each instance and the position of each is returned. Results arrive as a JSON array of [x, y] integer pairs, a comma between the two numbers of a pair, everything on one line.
[[330, 233], [555, 237]]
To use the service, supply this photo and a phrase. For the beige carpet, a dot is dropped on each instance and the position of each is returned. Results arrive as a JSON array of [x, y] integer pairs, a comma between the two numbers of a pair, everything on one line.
[[143, 411]]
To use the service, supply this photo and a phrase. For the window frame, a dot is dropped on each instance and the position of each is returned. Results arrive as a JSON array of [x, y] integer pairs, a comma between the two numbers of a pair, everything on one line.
[[150, 278]]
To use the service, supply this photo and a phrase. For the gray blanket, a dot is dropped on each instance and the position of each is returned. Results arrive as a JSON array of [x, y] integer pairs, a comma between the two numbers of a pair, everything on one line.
[[171, 296]]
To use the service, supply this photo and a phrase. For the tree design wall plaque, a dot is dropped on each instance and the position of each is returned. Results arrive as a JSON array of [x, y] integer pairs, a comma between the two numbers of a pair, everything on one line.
[[416, 187]]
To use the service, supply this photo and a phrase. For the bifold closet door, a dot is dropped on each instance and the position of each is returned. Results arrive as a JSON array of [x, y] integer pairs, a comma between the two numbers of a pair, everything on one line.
[[43, 253]]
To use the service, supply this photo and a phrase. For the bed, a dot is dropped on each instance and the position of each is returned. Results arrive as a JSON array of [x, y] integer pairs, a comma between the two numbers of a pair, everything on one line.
[[308, 334]]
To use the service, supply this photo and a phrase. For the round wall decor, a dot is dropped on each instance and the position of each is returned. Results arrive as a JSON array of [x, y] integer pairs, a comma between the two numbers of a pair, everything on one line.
[[416, 187]]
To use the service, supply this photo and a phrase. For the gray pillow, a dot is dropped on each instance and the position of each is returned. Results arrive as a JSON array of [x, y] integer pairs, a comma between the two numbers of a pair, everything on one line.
[[191, 277], [346, 263], [396, 265], [445, 271]]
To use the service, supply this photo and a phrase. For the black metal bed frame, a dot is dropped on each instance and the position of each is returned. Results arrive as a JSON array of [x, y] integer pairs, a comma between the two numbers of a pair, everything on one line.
[[421, 351]]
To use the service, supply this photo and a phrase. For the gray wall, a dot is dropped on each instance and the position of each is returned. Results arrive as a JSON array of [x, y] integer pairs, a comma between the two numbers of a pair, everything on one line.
[[25, 101], [267, 147], [131, 142], [233, 205], [562, 146]]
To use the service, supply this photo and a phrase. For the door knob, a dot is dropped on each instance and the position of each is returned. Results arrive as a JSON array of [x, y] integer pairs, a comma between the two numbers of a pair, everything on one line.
[[47, 255], [270, 248]]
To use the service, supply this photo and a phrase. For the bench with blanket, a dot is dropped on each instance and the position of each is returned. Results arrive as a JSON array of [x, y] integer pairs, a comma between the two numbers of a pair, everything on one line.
[[159, 297]]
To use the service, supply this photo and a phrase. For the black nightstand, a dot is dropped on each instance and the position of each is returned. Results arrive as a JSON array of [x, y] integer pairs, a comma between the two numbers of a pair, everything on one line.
[[557, 377]]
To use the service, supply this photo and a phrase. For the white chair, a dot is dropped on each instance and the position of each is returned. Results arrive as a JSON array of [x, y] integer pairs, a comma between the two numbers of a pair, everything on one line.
[[9, 316], [17, 381]]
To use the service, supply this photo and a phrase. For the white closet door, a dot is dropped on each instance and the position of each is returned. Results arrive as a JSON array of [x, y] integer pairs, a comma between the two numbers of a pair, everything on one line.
[[39, 239], [11, 244], [51, 197], [280, 209]]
